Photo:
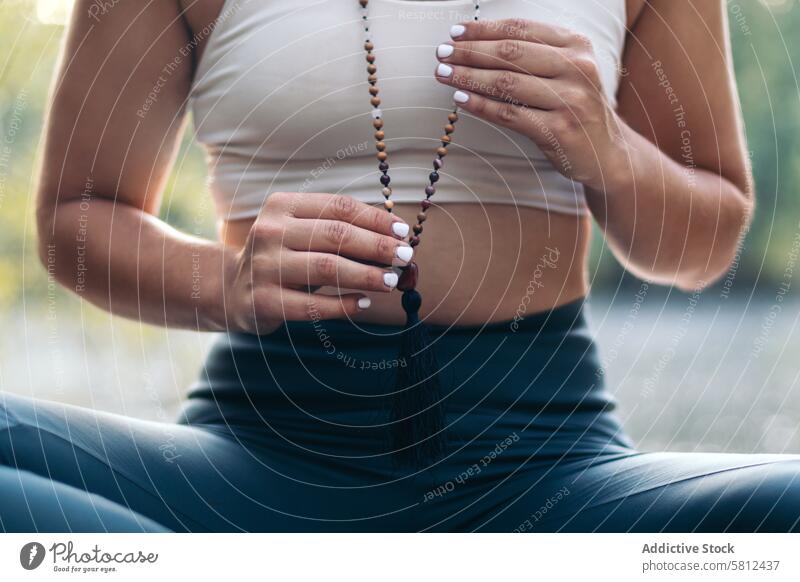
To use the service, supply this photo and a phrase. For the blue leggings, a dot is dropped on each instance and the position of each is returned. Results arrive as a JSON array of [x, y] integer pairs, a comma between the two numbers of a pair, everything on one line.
[[287, 432]]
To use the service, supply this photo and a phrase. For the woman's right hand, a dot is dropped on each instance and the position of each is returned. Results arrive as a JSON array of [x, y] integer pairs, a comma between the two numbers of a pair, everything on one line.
[[302, 241]]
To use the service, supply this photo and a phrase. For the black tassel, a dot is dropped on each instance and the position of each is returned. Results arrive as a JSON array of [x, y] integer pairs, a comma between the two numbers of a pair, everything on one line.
[[417, 429]]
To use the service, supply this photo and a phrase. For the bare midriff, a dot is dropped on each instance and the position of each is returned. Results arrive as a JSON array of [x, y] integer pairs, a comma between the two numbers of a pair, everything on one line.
[[481, 264]]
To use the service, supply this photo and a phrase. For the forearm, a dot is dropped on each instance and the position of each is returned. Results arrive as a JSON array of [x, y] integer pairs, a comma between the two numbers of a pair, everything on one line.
[[669, 222], [134, 265]]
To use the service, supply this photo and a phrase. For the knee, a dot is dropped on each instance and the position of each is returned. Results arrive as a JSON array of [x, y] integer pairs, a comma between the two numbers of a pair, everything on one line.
[[5, 412], [10, 408], [33, 503], [9, 423]]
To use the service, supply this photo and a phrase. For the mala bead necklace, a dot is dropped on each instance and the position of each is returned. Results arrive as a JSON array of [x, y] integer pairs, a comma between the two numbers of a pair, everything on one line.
[[417, 414]]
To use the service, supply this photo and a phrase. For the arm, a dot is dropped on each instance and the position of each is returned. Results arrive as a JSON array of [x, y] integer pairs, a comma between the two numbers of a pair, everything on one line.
[[666, 220], [109, 147], [678, 210], [105, 163]]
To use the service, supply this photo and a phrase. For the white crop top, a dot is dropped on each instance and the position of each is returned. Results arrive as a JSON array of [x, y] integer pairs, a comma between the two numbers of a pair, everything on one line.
[[280, 102]]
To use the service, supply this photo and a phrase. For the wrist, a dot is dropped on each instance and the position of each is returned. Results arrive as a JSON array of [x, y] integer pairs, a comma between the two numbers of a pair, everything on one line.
[[209, 287], [618, 168]]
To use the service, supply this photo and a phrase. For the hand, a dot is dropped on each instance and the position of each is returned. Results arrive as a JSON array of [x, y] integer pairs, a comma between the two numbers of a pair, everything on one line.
[[543, 82], [300, 242]]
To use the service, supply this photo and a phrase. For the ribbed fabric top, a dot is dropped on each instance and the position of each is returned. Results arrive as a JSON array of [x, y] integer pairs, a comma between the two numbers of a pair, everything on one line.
[[280, 101]]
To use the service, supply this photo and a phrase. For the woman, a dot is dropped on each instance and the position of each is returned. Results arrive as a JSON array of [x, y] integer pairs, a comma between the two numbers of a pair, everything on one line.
[[620, 112]]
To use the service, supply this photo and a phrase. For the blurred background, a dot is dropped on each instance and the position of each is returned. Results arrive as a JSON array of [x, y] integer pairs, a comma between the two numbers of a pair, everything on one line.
[[716, 371]]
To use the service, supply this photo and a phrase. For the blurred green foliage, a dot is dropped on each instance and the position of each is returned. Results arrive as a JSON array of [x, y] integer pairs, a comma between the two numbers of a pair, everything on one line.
[[765, 46]]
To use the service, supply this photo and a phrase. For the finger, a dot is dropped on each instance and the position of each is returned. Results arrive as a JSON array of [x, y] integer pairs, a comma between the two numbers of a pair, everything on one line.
[[516, 28], [514, 55], [523, 119], [299, 306], [341, 238], [503, 85], [317, 269], [348, 209]]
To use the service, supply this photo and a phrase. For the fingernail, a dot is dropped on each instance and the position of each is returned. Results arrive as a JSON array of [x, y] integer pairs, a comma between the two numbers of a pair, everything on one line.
[[364, 303], [404, 253], [444, 50], [400, 229], [457, 30], [444, 70], [390, 280], [460, 97]]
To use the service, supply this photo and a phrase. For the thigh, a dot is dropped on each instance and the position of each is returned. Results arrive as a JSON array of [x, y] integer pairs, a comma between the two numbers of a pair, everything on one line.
[[191, 477], [660, 492], [30, 503]]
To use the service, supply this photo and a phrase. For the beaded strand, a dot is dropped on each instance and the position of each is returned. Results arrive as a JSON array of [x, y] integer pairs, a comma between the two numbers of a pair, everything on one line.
[[417, 414], [380, 136]]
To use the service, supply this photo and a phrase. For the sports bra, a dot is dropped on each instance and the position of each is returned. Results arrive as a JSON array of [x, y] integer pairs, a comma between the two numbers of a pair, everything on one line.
[[280, 103]]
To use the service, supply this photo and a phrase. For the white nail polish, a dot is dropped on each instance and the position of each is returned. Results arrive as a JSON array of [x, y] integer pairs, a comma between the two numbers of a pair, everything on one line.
[[364, 303], [444, 50], [457, 30], [404, 253], [444, 70], [400, 229], [390, 279], [460, 97]]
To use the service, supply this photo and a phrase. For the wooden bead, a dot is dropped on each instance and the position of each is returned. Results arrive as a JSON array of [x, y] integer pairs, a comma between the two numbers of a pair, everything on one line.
[[409, 275]]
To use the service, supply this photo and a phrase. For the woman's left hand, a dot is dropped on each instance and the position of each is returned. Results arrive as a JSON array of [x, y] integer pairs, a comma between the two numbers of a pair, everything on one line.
[[541, 81]]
